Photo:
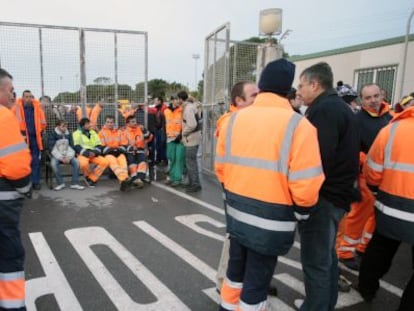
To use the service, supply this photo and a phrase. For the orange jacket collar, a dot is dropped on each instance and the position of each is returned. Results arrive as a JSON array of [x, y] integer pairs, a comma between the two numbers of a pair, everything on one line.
[[267, 99], [233, 108], [384, 108]]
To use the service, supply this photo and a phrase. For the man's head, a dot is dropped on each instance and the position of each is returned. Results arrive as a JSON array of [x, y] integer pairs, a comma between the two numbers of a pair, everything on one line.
[[182, 97], [158, 100], [7, 96], [295, 99], [45, 100], [277, 77], [384, 94], [109, 122], [85, 124], [243, 94], [315, 80], [27, 97], [62, 125], [131, 121], [371, 97]]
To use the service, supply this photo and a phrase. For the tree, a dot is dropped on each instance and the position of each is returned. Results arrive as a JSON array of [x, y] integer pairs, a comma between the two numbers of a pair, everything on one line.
[[102, 81], [157, 87]]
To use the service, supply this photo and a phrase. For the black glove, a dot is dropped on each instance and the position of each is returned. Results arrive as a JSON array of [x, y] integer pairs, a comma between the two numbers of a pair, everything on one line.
[[177, 140]]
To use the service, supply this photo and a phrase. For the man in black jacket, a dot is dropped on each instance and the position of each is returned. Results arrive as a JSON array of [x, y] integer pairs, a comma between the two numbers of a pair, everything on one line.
[[339, 146]]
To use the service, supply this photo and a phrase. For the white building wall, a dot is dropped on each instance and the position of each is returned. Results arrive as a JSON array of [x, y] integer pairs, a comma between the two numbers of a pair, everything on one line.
[[344, 65]]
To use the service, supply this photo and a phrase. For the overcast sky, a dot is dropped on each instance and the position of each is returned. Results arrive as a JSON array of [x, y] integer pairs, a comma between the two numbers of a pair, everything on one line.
[[177, 28]]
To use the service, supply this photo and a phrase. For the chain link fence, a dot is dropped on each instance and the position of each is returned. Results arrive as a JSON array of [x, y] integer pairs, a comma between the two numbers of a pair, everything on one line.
[[226, 63], [77, 68]]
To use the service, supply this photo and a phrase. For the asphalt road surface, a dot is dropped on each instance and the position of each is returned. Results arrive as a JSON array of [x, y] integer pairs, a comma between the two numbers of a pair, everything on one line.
[[155, 248]]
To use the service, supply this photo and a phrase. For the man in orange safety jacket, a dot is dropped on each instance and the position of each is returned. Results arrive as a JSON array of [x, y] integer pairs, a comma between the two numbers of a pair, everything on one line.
[[15, 184], [242, 95], [114, 152], [269, 180], [32, 121], [135, 138], [389, 172]]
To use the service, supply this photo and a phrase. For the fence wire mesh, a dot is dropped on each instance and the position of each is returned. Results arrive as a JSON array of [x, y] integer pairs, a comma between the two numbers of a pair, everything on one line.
[[226, 63], [77, 68]]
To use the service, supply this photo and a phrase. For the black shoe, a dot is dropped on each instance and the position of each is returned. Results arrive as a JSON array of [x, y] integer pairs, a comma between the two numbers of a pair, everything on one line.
[[272, 291], [89, 182], [192, 189], [37, 186], [351, 263], [125, 184], [344, 285]]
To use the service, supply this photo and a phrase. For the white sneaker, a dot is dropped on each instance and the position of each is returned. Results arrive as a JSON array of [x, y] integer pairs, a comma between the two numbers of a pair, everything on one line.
[[298, 303], [59, 187], [77, 187]]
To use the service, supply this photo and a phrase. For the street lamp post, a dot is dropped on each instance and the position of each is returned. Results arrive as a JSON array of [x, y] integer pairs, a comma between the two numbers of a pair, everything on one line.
[[270, 24], [196, 58]]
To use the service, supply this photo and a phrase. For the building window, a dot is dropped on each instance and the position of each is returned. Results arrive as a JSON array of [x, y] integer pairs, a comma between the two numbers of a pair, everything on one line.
[[384, 76]]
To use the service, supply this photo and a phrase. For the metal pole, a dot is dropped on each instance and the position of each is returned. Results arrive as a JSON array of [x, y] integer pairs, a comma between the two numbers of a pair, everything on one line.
[[116, 76], [42, 81], [82, 71], [146, 80], [404, 62]]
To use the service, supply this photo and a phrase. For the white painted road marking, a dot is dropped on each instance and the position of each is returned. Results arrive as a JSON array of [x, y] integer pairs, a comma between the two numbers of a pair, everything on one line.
[[192, 220], [83, 238], [177, 249], [54, 281]]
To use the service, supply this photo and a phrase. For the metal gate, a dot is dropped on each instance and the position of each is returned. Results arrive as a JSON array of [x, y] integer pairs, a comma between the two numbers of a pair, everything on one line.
[[77, 67], [226, 63]]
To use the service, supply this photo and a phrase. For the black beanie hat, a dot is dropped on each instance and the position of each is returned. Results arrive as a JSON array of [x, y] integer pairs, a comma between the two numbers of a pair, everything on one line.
[[277, 77]]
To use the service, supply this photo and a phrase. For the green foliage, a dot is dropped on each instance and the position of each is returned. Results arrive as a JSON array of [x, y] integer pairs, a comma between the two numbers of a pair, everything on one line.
[[100, 89]]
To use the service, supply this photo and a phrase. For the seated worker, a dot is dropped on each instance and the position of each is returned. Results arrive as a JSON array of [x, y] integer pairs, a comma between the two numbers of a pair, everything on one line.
[[60, 144], [134, 140], [113, 151], [88, 147]]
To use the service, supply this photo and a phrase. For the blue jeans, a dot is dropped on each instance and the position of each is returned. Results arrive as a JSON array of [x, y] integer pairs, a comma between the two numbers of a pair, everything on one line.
[[252, 269], [319, 261], [161, 145], [36, 157], [55, 163]]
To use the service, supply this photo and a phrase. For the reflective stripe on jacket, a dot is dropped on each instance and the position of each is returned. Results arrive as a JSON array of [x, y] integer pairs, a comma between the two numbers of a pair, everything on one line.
[[39, 118], [267, 167], [390, 167], [15, 158], [110, 138], [133, 136], [86, 143], [12, 290]]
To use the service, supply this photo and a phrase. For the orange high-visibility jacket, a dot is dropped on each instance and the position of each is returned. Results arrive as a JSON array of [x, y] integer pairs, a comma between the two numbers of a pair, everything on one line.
[[134, 136], [268, 159], [390, 167], [96, 110], [15, 180], [39, 116], [80, 115], [225, 116], [173, 120], [110, 138], [15, 156]]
